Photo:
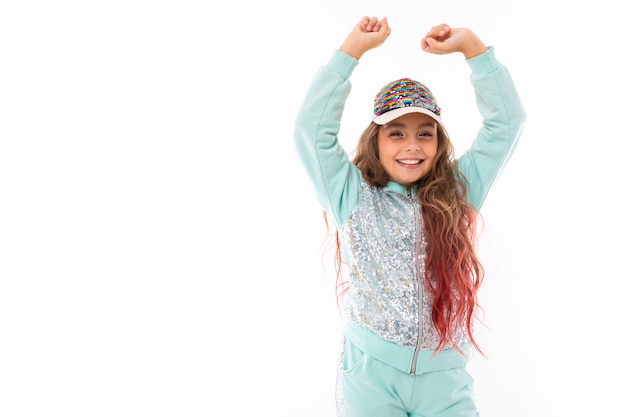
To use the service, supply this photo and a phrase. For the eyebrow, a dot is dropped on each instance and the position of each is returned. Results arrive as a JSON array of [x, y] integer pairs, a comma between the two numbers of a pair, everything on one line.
[[392, 125]]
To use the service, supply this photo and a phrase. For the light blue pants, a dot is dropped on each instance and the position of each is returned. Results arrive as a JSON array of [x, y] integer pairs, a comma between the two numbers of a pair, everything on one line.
[[371, 388]]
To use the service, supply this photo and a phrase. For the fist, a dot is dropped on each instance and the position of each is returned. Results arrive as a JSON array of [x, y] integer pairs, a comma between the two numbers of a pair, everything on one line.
[[368, 34], [442, 39]]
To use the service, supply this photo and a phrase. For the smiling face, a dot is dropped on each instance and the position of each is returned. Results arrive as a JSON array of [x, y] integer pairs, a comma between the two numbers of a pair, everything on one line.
[[407, 147]]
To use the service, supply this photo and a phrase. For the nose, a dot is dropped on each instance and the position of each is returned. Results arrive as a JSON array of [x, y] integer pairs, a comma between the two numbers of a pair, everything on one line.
[[413, 145]]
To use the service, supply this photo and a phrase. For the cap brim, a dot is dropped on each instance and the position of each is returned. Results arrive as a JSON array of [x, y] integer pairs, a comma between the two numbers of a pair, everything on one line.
[[395, 113]]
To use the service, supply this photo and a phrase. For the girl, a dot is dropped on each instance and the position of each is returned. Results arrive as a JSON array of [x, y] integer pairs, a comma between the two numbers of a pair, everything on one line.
[[406, 215]]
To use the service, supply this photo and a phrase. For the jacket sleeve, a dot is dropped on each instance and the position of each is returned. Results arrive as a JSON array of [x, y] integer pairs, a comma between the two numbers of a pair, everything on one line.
[[503, 121], [335, 179]]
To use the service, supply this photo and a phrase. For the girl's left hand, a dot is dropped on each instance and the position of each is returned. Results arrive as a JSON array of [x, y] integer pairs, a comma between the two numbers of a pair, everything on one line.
[[442, 39]]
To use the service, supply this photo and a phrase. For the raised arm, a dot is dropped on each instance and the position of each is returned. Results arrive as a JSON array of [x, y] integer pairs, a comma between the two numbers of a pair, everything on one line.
[[498, 103], [335, 179]]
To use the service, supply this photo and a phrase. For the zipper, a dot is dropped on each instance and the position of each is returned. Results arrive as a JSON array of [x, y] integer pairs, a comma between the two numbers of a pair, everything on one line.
[[420, 290]]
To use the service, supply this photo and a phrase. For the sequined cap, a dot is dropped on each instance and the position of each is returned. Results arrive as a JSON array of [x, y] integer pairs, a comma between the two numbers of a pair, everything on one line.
[[404, 96]]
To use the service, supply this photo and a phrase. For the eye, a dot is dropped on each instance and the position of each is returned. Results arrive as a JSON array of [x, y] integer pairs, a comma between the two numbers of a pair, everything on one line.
[[426, 134], [396, 133]]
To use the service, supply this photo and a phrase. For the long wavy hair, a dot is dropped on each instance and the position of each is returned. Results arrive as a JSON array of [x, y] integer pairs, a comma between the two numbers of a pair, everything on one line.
[[454, 271]]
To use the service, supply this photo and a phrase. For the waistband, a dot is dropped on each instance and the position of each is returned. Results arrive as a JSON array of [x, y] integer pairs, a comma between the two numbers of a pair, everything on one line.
[[401, 358]]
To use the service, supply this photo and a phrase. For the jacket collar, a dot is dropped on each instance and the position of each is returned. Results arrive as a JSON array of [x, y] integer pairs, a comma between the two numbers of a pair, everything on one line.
[[401, 189]]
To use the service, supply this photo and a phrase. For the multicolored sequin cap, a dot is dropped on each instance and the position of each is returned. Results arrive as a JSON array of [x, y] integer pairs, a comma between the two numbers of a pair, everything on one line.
[[404, 96]]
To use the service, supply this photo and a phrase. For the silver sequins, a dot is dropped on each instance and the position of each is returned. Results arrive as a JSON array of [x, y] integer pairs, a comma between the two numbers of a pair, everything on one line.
[[387, 251]]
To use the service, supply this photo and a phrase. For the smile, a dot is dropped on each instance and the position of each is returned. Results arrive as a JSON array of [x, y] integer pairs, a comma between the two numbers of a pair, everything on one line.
[[409, 161]]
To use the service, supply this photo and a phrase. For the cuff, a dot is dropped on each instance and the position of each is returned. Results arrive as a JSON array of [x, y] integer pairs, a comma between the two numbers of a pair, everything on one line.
[[485, 63], [342, 63]]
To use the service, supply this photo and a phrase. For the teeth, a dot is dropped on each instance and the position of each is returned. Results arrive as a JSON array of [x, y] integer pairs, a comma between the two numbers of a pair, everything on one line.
[[410, 161]]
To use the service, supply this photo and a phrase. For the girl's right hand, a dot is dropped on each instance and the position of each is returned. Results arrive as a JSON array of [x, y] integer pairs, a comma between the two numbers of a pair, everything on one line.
[[368, 34]]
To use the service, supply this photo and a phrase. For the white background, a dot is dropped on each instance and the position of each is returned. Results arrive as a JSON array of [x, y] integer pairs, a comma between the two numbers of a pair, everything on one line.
[[160, 243]]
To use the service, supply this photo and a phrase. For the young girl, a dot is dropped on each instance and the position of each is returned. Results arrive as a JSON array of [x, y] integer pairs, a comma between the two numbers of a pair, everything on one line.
[[406, 214]]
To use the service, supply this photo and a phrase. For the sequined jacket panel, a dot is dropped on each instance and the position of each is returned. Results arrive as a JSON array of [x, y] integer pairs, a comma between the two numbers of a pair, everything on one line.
[[380, 227], [387, 253]]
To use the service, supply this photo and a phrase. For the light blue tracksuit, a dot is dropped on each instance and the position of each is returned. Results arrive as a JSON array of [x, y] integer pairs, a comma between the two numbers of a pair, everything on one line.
[[390, 367]]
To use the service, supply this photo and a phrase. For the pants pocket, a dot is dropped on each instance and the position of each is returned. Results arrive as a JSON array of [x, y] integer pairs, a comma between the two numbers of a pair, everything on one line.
[[353, 358]]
